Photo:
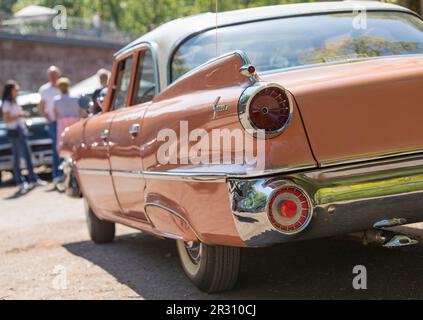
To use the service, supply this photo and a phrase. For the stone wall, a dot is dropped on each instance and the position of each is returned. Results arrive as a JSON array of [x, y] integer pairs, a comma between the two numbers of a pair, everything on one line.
[[26, 58]]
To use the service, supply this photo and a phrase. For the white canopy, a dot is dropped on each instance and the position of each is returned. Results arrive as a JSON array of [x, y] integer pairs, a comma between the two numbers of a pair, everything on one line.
[[31, 14], [86, 87], [35, 11]]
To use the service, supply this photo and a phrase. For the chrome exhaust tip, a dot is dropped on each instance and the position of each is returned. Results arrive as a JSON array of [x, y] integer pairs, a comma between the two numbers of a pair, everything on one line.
[[400, 240], [386, 239], [390, 223]]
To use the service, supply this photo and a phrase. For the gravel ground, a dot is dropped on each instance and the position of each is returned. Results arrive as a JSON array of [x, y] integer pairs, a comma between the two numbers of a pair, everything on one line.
[[45, 254]]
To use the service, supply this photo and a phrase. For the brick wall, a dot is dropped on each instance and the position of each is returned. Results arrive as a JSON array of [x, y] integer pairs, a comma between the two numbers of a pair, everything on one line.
[[26, 59]]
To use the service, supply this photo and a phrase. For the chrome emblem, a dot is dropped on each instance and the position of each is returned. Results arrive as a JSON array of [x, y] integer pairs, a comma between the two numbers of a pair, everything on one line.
[[218, 107]]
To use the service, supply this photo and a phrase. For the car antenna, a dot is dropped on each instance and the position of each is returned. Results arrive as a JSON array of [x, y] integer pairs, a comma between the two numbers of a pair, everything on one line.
[[217, 11]]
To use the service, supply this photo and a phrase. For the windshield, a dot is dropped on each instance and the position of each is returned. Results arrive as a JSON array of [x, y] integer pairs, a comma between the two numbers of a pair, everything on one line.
[[307, 40]]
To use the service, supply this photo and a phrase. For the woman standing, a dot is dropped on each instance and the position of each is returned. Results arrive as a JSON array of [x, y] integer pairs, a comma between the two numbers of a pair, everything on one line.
[[66, 109], [13, 115]]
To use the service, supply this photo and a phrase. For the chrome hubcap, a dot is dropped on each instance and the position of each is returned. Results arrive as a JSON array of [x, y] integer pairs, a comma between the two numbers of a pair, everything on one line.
[[194, 251]]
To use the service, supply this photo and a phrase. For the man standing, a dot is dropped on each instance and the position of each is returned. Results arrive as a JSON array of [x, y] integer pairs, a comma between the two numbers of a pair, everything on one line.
[[103, 76], [48, 92]]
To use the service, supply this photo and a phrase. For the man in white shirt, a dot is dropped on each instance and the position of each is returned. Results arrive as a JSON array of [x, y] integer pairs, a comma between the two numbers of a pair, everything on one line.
[[48, 92]]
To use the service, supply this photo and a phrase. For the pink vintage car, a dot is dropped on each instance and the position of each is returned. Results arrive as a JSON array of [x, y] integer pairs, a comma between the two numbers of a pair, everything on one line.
[[282, 124]]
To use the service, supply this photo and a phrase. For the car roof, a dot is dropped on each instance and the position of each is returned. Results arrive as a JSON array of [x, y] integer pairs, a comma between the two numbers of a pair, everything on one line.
[[166, 37]]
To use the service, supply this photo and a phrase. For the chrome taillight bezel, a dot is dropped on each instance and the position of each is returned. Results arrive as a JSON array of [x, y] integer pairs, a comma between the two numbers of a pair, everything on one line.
[[270, 213], [244, 110]]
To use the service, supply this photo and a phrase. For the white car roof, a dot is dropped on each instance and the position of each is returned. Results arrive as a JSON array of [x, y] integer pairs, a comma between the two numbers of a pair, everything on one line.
[[167, 36]]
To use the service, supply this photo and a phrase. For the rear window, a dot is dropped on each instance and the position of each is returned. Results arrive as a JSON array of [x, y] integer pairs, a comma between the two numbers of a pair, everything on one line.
[[307, 40]]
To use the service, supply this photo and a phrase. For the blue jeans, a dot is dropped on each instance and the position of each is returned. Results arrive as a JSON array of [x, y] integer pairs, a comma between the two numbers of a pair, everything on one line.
[[20, 149], [52, 129]]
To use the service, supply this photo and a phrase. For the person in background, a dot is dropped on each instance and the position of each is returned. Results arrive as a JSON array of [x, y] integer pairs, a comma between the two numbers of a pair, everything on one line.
[[48, 92], [103, 76], [14, 116], [98, 24], [66, 109]]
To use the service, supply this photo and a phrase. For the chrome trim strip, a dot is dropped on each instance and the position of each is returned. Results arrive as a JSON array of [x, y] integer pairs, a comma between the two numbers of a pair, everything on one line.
[[188, 176], [167, 235], [127, 174], [205, 177], [96, 172], [172, 212], [386, 156], [245, 60], [153, 48], [194, 177], [270, 172], [221, 177]]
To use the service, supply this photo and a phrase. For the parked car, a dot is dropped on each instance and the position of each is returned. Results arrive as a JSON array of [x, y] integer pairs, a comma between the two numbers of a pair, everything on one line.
[[331, 107], [38, 136]]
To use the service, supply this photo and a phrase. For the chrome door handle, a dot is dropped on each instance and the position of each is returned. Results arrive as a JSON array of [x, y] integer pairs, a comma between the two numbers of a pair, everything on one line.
[[135, 129], [104, 135]]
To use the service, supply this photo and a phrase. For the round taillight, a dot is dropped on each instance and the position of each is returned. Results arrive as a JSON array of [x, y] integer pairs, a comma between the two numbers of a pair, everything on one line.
[[290, 210], [270, 110], [265, 108]]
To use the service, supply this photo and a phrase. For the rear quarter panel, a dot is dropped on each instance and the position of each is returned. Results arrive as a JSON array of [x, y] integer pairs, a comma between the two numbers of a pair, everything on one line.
[[206, 205]]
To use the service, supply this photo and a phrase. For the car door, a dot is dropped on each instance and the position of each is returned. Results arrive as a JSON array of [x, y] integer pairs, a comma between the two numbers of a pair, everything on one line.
[[126, 137], [94, 165]]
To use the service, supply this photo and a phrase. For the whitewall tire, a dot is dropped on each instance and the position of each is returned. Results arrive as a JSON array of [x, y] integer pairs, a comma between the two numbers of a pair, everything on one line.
[[211, 268]]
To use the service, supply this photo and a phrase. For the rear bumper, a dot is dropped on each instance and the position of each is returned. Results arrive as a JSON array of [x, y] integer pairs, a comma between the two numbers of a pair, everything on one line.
[[345, 199]]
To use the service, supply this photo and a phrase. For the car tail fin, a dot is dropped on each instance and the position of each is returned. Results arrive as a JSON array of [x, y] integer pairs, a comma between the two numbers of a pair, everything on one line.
[[231, 69]]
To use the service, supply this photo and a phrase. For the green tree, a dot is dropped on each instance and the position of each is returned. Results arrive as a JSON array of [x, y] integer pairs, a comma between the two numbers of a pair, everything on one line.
[[136, 16], [412, 4], [7, 5]]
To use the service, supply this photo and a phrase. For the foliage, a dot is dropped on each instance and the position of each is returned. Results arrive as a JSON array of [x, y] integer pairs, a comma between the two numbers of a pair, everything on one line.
[[412, 4], [362, 47], [137, 16], [7, 5]]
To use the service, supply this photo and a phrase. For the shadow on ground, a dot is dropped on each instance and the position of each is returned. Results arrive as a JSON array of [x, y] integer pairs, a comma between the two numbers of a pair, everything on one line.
[[320, 269], [7, 182], [7, 177]]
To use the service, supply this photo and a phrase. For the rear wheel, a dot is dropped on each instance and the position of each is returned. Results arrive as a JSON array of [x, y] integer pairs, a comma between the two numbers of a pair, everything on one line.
[[100, 231], [211, 268]]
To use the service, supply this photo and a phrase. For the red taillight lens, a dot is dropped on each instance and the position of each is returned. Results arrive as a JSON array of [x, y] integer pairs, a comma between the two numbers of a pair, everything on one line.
[[251, 69], [269, 110], [290, 210]]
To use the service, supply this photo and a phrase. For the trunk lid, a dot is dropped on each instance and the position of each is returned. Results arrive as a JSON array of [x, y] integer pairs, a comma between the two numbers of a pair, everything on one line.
[[361, 110]]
